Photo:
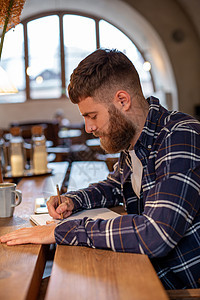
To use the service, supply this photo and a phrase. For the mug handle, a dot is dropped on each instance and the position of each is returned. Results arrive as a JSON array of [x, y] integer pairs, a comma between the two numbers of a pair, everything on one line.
[[19, 196]]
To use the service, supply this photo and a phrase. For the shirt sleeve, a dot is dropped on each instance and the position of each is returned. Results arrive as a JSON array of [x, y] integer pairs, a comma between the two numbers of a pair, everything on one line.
[[106, 193], [170, 205]]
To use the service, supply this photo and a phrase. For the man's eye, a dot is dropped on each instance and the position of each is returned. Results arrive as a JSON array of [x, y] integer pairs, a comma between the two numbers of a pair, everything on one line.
[[94, 117]]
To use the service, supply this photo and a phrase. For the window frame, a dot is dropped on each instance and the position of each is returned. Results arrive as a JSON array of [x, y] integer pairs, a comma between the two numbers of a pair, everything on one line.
[[60, 15]]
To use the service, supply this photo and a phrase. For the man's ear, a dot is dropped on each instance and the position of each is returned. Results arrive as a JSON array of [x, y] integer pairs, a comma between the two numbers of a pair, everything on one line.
[[122, 100]]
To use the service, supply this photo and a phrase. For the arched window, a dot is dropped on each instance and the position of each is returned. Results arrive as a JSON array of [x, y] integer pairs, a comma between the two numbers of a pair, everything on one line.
[[40, 53], [12, 60]]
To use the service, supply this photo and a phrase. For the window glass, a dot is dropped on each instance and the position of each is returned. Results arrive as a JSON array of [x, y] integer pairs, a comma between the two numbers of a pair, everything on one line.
[[44, 58], [113, 38], [44, 71], [12, 61], [79, 41]]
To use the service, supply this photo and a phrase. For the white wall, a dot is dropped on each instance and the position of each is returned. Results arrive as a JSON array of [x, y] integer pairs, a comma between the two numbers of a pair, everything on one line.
[[37, 110]]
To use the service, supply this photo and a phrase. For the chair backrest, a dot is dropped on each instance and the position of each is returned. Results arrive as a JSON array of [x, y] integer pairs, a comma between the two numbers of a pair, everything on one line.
[[50, 130]]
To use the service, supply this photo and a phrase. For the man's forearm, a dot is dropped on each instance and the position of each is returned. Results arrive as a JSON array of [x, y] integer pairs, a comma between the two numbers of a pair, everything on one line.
[[102, 194]]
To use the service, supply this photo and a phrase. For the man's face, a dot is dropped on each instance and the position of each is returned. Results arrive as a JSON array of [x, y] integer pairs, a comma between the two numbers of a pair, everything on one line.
[[109, 124]]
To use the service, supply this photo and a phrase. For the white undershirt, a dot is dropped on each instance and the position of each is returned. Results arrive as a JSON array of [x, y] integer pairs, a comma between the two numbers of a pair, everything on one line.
[[136, 176]]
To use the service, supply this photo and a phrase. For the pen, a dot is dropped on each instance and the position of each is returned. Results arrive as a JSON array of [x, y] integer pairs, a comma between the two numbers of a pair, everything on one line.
[[59, 199]]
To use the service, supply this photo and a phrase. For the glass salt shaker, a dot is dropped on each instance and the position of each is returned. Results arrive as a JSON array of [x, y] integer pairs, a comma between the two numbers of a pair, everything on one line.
[[39, 151], [17, 153]]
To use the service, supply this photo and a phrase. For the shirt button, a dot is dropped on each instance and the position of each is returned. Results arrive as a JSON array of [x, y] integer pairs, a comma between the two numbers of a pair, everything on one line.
[[149, 146]]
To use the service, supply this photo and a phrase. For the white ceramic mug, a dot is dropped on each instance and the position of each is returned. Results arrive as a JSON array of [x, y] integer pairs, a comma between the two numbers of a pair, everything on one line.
[[9, 198]]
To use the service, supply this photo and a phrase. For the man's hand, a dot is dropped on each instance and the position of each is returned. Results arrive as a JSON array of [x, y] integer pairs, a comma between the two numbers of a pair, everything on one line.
[[55, 209], [32, 235]]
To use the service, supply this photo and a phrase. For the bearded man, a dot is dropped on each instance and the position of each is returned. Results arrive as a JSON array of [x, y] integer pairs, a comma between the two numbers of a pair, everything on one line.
[[156, 177]]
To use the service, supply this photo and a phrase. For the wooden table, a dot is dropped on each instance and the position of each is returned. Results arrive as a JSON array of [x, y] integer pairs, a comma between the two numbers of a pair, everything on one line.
[[78, 272], [83, 173], [93, 143], [21, 267], [84, 273], [69, 133], [63, 152]]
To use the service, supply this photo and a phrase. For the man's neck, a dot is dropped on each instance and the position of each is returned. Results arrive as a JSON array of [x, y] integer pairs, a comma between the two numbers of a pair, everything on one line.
[[141, 120]]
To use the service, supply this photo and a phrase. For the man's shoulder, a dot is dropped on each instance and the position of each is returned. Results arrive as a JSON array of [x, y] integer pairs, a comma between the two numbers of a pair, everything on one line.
[[176, 120], [177, 128]]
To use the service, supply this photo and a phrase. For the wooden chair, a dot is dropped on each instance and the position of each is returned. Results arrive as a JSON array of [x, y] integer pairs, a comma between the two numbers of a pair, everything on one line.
[[81, 139], [184, 294], [51, 129]]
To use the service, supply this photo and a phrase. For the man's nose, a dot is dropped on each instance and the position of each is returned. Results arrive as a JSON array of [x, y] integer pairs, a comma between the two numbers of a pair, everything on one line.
[[89, 127]]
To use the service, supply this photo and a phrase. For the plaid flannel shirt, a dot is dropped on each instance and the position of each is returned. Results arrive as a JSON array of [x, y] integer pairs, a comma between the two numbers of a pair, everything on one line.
[[164, 222]]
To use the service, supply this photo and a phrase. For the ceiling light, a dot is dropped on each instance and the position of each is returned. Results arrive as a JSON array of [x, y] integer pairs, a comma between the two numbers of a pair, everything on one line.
[[147, 66]]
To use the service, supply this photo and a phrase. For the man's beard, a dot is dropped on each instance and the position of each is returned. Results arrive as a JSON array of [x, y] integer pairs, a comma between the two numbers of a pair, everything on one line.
[[120, 132]]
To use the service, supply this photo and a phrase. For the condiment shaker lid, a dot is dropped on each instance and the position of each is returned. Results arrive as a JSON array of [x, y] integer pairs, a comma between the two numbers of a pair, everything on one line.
[[37, 130], [15, 131]]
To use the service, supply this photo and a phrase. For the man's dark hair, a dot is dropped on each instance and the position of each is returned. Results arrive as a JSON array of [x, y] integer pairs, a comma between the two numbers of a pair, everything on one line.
[[101, 74]]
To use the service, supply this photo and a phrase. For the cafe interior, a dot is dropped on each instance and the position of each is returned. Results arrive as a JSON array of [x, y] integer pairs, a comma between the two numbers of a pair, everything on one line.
[[37, 55]]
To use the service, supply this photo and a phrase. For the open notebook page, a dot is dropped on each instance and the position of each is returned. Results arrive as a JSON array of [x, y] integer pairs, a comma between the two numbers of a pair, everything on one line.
[[97, 213]]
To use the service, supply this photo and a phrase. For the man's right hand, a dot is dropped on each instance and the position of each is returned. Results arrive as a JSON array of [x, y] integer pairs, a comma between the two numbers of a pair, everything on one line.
[[65, 208]]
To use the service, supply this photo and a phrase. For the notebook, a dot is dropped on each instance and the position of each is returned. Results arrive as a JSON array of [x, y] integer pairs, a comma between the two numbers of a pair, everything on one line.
[[96, 213]]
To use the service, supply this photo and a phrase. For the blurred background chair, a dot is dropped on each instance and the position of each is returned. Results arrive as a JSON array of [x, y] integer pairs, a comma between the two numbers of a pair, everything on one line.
[[51, 129]]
